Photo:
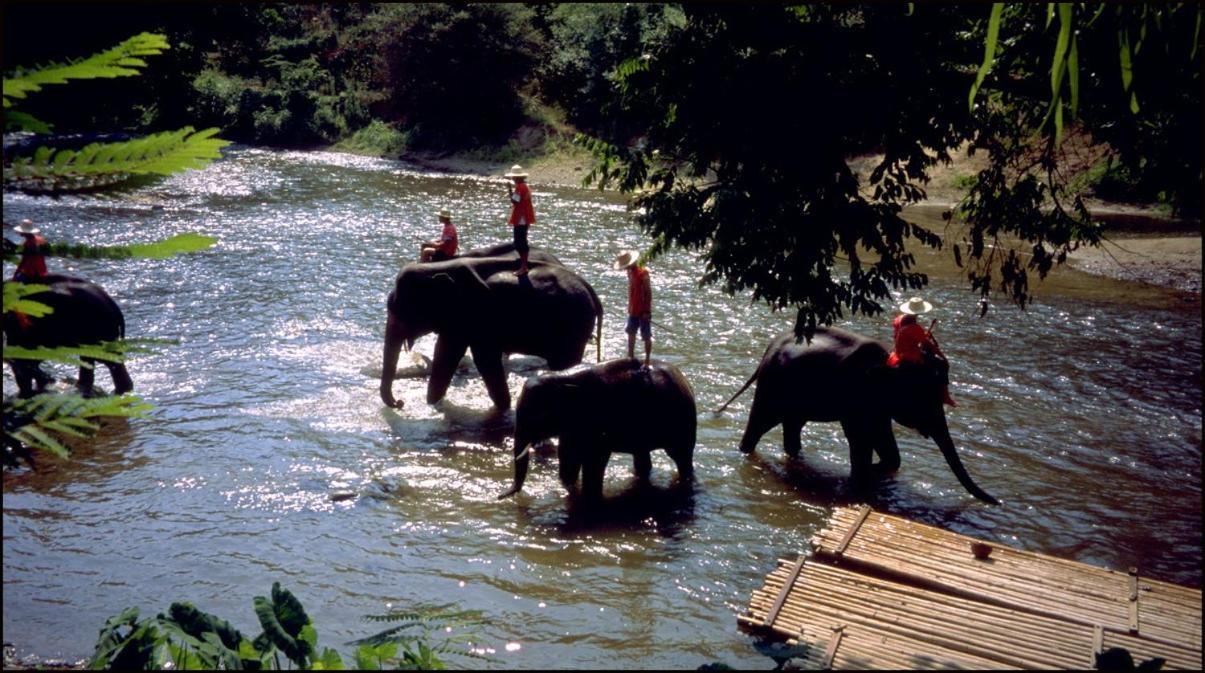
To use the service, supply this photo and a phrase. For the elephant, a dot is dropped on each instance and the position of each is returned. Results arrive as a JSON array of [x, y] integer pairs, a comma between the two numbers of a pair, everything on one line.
[[842, 376], [600, 409], [83, 313], [476, 302]]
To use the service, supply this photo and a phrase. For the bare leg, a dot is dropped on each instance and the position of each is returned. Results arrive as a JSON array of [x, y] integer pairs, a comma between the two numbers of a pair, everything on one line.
[[631, 345], [648, 350]]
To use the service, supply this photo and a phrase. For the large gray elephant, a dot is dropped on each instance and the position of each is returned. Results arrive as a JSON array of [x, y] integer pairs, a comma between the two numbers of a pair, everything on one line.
[[475, 302], [841, 376], [83, 313], [615, 406]]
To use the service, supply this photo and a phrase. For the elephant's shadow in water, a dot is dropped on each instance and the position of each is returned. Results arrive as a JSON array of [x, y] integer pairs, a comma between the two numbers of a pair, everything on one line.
[[458, 424], [886, 494], [670, 507]]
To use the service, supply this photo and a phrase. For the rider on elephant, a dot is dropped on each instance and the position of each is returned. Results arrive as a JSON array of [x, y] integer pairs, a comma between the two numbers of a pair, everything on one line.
[[32, 266], [912, 341], [445, 247]]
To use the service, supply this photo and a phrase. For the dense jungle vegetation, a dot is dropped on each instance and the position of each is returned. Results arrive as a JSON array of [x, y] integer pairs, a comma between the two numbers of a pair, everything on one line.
[[731, 125]]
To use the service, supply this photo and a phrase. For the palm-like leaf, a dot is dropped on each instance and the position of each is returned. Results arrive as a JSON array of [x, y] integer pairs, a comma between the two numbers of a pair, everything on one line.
[[120, 61]]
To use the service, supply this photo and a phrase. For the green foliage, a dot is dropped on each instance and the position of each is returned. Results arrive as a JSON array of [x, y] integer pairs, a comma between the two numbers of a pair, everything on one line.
[[100, 165], [764, 191], [29, 423], [378, 139], [414, 630], [455, 72], [190, 639], [120, 61]]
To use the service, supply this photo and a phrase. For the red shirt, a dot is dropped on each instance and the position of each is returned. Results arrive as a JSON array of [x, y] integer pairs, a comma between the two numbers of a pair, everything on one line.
[[32, 264], [640, 292], [909, 338], [449, 242], [521, 211]]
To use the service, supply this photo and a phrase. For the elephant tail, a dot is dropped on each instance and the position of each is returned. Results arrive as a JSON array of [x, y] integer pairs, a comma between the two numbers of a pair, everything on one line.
[[738, 393]]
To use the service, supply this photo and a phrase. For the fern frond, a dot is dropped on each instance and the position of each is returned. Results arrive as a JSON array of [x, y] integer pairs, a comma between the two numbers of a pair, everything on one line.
[[14, 299], [15, 120], [120, 61], [174, 245], [104, 164], [108, 351]]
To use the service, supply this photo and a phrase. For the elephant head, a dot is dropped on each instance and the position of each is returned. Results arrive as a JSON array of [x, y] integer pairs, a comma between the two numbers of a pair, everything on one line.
[[426, 298], [915, 394], [538, 416]]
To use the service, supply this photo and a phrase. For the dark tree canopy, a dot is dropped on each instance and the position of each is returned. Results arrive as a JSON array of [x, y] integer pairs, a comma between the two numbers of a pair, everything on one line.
[[735, 134]]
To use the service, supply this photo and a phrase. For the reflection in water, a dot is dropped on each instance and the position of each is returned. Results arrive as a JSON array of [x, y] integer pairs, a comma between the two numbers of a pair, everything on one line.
[[1081, 413]]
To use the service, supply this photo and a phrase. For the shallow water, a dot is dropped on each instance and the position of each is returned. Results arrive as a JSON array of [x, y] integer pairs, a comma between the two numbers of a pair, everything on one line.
[[1082, 413]]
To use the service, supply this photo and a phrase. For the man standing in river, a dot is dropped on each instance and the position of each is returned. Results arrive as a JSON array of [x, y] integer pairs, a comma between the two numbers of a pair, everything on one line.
[[522, 213]]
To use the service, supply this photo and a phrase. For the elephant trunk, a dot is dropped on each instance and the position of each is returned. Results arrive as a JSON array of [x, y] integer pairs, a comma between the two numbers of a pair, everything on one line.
[[394, 338], [942, 437], [522, 457]]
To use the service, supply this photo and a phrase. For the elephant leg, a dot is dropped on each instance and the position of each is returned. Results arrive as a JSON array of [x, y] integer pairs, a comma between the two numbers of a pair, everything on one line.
[[759, 424], [447, 356], [570, 463], [594, 466], [683, 457], [861, 449], [885, 446], [23, 372], [642, 465], [87, 373], [489, 363], [122, 383], [792, 443]]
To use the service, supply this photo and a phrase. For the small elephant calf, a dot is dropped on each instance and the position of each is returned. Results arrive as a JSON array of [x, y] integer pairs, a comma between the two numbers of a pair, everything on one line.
[[595, 410]]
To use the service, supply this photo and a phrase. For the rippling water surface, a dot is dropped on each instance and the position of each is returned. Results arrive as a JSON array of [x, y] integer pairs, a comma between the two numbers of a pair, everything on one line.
[[1081, 413]]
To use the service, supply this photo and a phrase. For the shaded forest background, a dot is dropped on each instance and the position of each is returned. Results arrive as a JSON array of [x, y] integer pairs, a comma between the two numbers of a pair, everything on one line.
[[388, 77]]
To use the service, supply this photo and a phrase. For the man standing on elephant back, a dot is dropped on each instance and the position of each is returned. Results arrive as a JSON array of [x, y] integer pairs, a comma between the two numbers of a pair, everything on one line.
[[640, 302], [522, 213]]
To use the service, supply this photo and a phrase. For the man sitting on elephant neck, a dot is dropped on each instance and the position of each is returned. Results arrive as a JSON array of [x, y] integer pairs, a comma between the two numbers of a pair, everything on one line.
[[912, 341], [522, 213], [444, 247], [640, 302]]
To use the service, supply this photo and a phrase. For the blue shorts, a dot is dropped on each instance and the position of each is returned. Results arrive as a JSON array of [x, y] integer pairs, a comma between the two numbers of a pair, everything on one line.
[[646, 330]]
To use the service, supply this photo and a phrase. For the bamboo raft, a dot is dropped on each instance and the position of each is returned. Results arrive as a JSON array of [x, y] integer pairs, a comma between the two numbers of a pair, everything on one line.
[[883, 592]]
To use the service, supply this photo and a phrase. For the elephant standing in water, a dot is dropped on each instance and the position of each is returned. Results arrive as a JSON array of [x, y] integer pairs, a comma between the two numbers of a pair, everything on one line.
[[83, 313], [475, 302], [841, 376], [603, 408]]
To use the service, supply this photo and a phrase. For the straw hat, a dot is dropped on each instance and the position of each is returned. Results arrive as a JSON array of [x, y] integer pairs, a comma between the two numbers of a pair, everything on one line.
[[515, 171], [625, 260], [915, 306], [26, 227], [445, 213]]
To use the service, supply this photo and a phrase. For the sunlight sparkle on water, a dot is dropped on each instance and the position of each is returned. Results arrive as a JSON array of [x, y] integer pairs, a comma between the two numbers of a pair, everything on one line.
[[513, 647]]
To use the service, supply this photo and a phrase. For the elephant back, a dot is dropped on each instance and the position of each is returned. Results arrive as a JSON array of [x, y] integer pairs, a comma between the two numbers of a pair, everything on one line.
[[83, 313]]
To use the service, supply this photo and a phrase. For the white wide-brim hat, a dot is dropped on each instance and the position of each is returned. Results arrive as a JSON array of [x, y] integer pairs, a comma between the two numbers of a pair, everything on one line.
[[625, 259], [26, 227], [916, 306], [515, 171], [445, 213]]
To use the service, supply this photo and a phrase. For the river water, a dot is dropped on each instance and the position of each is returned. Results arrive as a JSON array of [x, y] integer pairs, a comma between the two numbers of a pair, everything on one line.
[[1081, 413]]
